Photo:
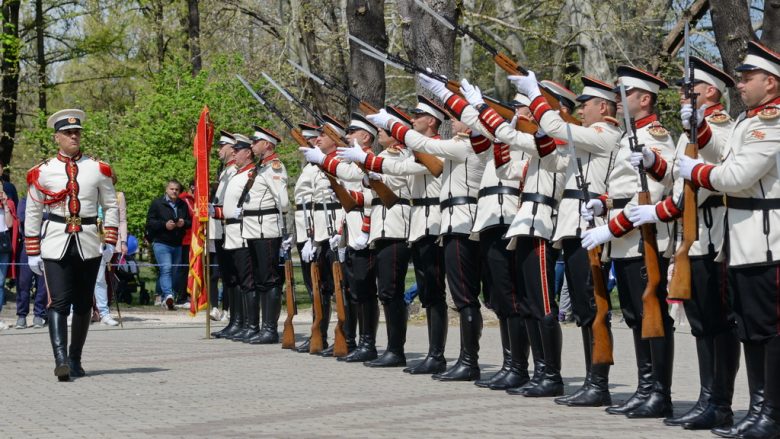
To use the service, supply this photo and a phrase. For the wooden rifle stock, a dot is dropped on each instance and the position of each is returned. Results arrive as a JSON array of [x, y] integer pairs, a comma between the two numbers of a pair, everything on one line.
[[340, 348], [434, 165], [523, 124], [680, 286], [288, 335], [315, 341], [652, 322], [602, 341]]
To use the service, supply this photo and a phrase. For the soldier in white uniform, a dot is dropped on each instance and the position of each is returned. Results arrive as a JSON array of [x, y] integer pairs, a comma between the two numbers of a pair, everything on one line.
[[70, 187], [236, 190], [709, 310], [594, 142], [231, 298], [265, 230], [654, 356], [749, 177]]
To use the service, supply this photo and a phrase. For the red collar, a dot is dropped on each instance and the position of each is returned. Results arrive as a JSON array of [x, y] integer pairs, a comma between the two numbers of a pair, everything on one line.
[[398, 145], [712, 108], [752, 112], [63, 158], [611, 120], [331, 155], [647, 120], [273, 156], [437, 137], [247, 167], [230, 163]]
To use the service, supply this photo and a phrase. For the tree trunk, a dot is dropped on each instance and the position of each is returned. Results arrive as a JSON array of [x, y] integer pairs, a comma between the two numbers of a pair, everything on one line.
[[159, 17], [466, 45], [366, 20], [590, 40], [193, 31], [426, 41], [40, 54], [507, 12], [770, 35], [304, 44], [733, 31], [10, 82]]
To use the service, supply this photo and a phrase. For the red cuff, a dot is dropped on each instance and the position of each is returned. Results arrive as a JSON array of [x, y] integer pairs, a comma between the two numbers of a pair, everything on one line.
[[491, 119], [219, 213], [704, 134], [667, 211], [501, 154], [545, 145], [111, 235], [366, 226], [374, 163], [538, 107], [620, 225], [358, 196], [603, 199], [700, 176], [658, 170], [330, 165], [32, 244], [456, 104], [398, 131], [480, 144]]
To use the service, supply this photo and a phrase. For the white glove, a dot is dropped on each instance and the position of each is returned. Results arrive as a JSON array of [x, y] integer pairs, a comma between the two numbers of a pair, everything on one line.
[[286, 245], [647, 157], [591, 210], [36, 264], [596, 236], [375, 176], [312, 155], [685, 166], [334, 242], [308, 251], [361, 241], [642, 214], [472, 93], [352, 153], [342, 254], [383, 119], [238, 212], [685, 115], [108, 252], [434, 86], [527, 85], [212, 210]]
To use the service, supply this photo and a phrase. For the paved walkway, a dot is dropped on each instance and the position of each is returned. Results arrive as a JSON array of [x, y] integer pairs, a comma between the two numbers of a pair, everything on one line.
[[159, 377]]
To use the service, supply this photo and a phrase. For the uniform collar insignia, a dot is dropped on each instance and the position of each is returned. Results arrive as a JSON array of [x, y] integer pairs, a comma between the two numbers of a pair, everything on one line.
[[647, 120], [760, 108]]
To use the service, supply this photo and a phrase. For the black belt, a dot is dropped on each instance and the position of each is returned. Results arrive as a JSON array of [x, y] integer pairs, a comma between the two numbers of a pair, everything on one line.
[[233, 221], [378, 202], [712, 202], [77, 220], [538, 198], [578, 194], [318, 206], [457, 201], [495, 190], [753, 203], [424, 201], [261, 212], [619, 203]]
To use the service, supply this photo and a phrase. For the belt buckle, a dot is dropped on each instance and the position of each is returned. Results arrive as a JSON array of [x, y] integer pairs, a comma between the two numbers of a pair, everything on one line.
[[73, 220]]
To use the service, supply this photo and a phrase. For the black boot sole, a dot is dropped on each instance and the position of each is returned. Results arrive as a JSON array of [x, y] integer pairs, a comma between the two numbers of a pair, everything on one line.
[[62, 372]]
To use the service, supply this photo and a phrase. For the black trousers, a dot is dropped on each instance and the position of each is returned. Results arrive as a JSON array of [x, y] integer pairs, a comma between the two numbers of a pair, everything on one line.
[[358, 269], [242, 260], [305, 268], [756, 301], [500, 285], [631, 278], [428, 259], [709, 311], [535, 258], [392, 263], [265, 263], [580, 281], [325, 258], [462, 268], [71, 281]]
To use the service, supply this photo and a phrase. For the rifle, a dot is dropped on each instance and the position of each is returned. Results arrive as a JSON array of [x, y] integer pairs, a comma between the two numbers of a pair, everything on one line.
[[602, 341], [288, 335], [504, 110], [680, 286], [434, 165], [652, 324], [340, 348], [388, 197], [346, 200], [501, 59]]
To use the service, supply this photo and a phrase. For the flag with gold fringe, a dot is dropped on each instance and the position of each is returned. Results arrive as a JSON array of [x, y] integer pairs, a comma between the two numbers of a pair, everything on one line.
[[196, 280]]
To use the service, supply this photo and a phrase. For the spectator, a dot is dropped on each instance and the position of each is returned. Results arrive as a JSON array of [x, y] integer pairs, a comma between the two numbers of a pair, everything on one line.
[[9, 231], [101, 286], [24, 284], [182, 271], [166, 223]]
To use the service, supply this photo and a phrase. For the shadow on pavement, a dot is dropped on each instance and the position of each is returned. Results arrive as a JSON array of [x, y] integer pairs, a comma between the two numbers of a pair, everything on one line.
[[126, 371]]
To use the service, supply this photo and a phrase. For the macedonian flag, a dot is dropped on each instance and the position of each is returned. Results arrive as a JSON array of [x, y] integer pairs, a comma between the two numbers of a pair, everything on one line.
[[196, 280]]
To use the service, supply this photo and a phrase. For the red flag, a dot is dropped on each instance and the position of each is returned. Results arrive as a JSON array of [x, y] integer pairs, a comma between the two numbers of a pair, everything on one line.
[[196, 287]]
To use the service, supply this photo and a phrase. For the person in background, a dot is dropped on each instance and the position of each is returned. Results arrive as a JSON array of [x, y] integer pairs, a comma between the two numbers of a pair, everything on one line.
[[180, 282], [24, 285], [101, 286], [9, 229]]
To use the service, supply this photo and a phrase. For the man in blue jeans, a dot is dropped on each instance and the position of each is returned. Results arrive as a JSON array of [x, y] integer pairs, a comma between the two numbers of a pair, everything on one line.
[[24, 283], [166, 222]]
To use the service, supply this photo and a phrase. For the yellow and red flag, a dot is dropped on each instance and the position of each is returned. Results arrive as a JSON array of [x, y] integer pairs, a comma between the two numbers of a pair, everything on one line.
[[196, 286]]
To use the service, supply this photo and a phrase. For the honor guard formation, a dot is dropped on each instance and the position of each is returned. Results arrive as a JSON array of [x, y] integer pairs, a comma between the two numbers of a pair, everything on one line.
[[488, 210]]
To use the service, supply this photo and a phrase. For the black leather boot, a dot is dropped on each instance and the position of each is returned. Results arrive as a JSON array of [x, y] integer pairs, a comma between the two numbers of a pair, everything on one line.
[[272, 308], [438, 324], [237, 306], [767, 425], [596, 394], [519, 347], [252, 312], [587, 346], [78, 335], [229, 292], [507, 356], [659, 404], [395, 321], [644, 368], [324, 324], [303, 348], [705, 353], [717, 412], [361, 327], [754, 365], [369, 321], [350, 326], [467, 369], [58, 334], [552, 341], [537, 351]]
